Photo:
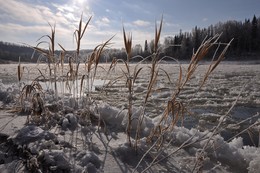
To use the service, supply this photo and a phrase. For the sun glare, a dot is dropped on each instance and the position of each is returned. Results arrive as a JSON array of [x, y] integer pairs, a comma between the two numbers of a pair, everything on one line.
[[80, 1]]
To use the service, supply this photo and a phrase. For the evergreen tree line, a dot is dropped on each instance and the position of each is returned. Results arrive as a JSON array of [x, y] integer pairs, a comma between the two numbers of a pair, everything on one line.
[[245, 44]]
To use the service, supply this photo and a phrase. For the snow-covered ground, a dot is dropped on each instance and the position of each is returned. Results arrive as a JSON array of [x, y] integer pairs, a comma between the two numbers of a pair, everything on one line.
[[75, 140]]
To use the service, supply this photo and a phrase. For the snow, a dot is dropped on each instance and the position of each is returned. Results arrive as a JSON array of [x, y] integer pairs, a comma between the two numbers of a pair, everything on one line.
[[73, 141], [251, 157], [70, 122], [27, 135]]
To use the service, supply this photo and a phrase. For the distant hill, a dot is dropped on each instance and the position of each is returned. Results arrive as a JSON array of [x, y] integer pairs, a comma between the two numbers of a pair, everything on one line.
[[10, 52]]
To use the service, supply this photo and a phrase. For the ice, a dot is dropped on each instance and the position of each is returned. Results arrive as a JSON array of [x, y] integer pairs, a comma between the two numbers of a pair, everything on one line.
[[251, 157], [7, 93], [55, 160], [88, 159], [73, 145], [63, 88], [111, 114], [31, 133], [139, 89], [254, 165], [125, 153], [231, 153], [72, 121], [119, 118]]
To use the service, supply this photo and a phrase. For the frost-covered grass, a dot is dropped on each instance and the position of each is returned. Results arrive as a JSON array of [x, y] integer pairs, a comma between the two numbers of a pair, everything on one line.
[[139, 117]]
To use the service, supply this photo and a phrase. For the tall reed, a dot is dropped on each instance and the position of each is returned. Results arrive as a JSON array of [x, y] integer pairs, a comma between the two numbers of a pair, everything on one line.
[[81, 83]]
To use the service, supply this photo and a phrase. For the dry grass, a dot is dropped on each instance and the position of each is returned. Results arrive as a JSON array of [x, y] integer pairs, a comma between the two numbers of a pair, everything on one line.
[[176, 109], [81, 85]]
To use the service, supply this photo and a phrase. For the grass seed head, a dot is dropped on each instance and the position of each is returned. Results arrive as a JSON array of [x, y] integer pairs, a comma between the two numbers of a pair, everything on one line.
[[128, 44]]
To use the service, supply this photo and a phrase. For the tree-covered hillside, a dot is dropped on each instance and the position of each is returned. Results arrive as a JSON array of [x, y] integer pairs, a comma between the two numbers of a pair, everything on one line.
[[12, 52]]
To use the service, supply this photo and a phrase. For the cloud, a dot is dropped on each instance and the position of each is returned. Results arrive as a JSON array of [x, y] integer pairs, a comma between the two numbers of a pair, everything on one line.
[[19, 11], [64, 8], [17, 33], [139, 7], [104, 21], [141, 23], [34, 32], [205, 19], [71, 12], [17, 28], [21, 21], [167, 24]]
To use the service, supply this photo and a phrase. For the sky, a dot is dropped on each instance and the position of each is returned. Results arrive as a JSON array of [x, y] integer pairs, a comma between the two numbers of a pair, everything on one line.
[[26, 21]]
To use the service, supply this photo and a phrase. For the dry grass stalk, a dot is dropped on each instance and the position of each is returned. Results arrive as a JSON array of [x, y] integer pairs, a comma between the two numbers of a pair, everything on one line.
[[19, 71], [81, 84], [29, 90], [157, 35], [50, 52], [131, 78], [128, 44], [215, 63], [79, 33], [50, 55], [175, 108], [37, 108], [129, 83], [154, 71], [93, 62], [32, 92], [155, 62], [62, 57]]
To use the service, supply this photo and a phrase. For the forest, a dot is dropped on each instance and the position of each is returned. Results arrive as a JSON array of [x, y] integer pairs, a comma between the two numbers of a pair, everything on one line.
[[10, 52], [245, 44]]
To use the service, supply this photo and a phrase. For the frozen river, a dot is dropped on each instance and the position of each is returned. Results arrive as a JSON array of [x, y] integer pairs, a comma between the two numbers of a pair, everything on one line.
[[222, 88], [230, 83]]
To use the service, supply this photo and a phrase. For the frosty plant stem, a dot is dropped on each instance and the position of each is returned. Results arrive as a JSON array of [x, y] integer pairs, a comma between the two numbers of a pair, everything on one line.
[[153, 77], [56, 70], [79, 33], [50, 55], [129, 82], [175, 108]]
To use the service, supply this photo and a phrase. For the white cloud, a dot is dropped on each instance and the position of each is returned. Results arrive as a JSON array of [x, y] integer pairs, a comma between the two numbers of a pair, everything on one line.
[[19, 11], [70, 12], [24, 22], [17, 28], [104, 21], [167, 24], [205, 19], [141, 23]]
